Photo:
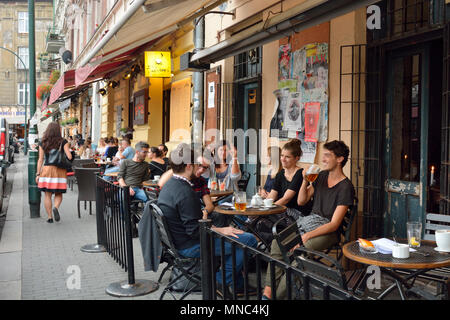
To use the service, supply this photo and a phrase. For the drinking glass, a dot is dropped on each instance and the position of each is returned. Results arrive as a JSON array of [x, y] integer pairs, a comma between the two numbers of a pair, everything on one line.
[[414, 231], [213, 184], [240, 200], [312, 173], [221, 184]]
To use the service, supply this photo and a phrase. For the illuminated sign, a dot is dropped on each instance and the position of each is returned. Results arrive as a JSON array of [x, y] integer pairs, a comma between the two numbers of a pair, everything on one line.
[[158, 64]]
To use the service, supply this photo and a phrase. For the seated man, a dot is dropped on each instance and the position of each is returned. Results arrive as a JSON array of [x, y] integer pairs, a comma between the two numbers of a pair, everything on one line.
[[333, 194], [200, 185], [181, 207], [134, 171], [126, 151]]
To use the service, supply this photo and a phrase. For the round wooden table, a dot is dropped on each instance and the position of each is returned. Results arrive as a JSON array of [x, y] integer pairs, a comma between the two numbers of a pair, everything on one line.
[[416, 264], [257, 213], [218, 193], [260, 211]]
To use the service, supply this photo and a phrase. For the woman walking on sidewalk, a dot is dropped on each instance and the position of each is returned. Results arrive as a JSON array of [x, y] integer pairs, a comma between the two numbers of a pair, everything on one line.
[[50, 178]]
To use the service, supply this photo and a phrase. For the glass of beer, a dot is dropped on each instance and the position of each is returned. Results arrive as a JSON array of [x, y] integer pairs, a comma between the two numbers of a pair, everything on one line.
[[240, 200], [312, 173]]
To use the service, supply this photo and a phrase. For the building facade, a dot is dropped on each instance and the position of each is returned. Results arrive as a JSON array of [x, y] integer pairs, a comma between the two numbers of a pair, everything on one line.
[[14, 80]]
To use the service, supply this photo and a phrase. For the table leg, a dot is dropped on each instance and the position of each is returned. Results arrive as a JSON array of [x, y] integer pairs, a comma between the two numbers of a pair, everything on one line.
[[400, 282]]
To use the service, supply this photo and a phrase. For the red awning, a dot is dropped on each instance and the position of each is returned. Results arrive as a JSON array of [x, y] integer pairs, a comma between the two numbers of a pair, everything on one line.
[[98, 71], [89, 73], [66, 81]]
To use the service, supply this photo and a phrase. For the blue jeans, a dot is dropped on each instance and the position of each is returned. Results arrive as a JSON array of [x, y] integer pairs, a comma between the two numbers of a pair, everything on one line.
[[139, 194], [245, 238], [110, 170]]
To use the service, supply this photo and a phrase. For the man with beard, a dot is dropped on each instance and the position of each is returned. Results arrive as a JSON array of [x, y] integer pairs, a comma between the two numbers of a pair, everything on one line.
[[134, 171], [181, 207]]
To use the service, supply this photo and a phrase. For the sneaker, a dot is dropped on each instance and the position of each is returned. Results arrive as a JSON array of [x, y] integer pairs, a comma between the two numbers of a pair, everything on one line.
[[50, 220], [56, 214]]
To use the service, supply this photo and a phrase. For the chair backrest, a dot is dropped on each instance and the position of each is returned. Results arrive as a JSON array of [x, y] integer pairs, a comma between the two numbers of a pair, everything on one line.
[[152, 192], [347, 222], [435, 222], [287, 238], [90, 165], [163, 230], [243, 182], [321, 265], [86, 183], [81, 162]]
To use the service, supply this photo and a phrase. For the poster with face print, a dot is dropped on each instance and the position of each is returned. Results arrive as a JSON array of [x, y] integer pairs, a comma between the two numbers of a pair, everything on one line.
[[294, 114]]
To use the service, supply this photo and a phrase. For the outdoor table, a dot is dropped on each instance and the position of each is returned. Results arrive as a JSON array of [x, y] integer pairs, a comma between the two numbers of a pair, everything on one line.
[[256, 212], [417, 264], [219, 195], [150, 183], [112, 174]]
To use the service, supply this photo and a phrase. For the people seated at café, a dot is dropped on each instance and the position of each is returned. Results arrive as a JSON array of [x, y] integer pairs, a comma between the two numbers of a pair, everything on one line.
[[200, 185], [85, 151], [157, 164], [101, 148], [225, 169], [274, 167], [125, 151], [284, 192], [133, 172], [333, 194], [164, 150], [182, 209], [112, 148]]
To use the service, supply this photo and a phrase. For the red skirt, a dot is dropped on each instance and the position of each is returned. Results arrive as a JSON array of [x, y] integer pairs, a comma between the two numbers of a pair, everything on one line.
[[53, 179]]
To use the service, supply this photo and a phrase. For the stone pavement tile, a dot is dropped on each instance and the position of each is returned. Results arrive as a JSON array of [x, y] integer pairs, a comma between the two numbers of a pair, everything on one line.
[[10, 290], [11, 266]]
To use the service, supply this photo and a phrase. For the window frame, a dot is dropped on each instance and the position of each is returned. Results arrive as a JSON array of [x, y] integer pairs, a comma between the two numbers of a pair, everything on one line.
[[22, 18]]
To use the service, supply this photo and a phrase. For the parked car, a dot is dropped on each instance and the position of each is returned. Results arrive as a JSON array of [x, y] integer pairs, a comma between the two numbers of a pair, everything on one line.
[[6, 156]]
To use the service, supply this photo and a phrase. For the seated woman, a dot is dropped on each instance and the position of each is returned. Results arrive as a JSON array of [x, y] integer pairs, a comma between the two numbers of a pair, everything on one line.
[[274, 154], [101, 148], [285, 189], [288, 181], [85, 151], [157, 164], [112, 148], [226, 168]]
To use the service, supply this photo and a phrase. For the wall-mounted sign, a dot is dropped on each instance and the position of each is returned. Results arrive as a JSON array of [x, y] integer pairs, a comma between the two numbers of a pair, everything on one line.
[[157, 64], [140, 107]]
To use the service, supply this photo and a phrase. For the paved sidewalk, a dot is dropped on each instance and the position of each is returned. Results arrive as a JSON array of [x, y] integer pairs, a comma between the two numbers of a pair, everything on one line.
[[40, 259]]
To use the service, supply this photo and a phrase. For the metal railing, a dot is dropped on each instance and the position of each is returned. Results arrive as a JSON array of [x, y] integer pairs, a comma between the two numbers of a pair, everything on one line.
[[311, 287], [115, 235]]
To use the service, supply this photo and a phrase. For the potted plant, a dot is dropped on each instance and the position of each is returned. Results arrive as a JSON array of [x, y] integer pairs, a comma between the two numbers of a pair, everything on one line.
[[43, 91], [54, 76]]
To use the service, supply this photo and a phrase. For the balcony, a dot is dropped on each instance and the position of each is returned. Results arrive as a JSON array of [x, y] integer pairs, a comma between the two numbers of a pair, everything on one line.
[[54, 41]]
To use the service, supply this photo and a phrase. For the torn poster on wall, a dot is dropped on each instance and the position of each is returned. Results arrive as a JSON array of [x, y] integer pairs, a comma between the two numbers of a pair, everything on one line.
[[309, 72]]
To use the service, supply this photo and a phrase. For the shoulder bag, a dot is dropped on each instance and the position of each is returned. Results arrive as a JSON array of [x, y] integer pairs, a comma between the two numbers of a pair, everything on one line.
[[57, 157]]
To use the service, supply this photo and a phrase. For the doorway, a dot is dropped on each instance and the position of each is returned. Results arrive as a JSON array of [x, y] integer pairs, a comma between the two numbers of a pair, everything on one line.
[[248, 118], [412, 133]]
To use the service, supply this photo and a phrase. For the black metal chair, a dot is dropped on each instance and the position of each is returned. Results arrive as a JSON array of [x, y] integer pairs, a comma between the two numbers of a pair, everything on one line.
[[243, 182], [345, 230], [86, 186], [81, 162], [323, 267], [173, 258], [289, 237]]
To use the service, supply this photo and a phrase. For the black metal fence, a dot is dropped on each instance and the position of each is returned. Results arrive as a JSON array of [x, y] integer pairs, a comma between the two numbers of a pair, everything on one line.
[[113, 204], [311, 287]]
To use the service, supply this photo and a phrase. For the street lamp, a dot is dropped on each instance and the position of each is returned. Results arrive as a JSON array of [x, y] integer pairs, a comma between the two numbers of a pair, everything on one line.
[[26, 95]]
